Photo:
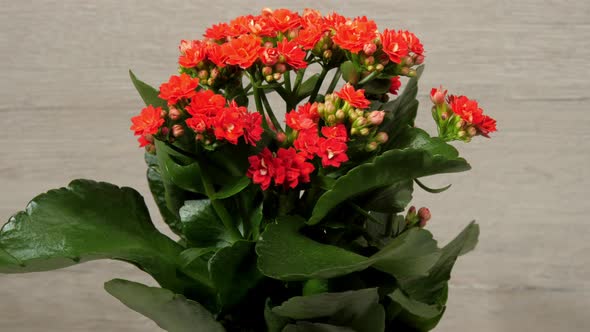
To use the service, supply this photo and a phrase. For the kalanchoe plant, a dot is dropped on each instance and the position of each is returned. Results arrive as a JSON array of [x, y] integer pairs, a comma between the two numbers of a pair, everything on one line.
[[283, 226]]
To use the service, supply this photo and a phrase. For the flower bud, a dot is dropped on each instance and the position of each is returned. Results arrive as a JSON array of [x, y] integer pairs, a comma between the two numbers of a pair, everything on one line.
[[282, 58], [371, 68], [199, 137], [174, 114], [408, 61], [330, 108], [331, 119], [163, 114], [280, 68], [405, 71], [471, 131], [437, 95], [149, 138], [340, 115], [150, 148], [383, 59], [267, 71], [269, 56], [379, 67], [164, 131], [203, 75], [327, 54], [353, 131], [424, 216], [352, 116], [369, 60], [269, 78], [412, 73], [376, 117], [371, 146], [412, 210], [360, 122], [293, 33], [214, 73], [268, 44], [369, 48], [364, 131], [177, 130], [382, 137], [419, 60], [210, 81], [281, 137], [321, 109], [277, 76], [460, 124]]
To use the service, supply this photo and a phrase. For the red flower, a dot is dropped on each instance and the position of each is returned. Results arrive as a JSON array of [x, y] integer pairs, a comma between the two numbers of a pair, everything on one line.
[[332, 151], [193, 55], [337, 132], [229, 124], [143, 141], [395, 85], [307, 142], [309, 36], [269, 55], [292, 168], [293, 54], [414, 44], [218, 31], [306, 117], [242, 51], [311, 17], [148, 122], [282, 19], [178, 87], [471, 113], [216, 55], [353, 35], [261, 168], [199, 123], [394, 45], [206, 102], [437, 95], [334, 21], [252, 128], [356, 98]]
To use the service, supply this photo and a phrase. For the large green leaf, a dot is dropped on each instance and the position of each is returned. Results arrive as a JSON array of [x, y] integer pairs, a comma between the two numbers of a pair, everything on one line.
[[286, 254], [147, 92], [86, 221], [274, 322], [172, 312], [417, 138], [391, 199], [432, 287], [316, 327], [233, 272], [178, 169], [411, 313], [387, 169], [307, 87], [168, 197], [201, 226], [359, 309]]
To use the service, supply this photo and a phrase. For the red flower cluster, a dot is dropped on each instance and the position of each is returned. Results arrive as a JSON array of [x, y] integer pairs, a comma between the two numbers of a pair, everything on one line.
[[471, 113], [356, 98], [178, 88], [354, 35], [146, 124], [287, 168], [210, 115], [395, 85]]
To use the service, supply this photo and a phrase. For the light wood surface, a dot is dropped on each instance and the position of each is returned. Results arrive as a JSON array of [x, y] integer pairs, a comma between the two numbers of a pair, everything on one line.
[[66, 100]]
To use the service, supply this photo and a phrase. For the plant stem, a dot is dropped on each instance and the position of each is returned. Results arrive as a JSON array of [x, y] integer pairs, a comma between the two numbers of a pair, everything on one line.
[[368, 78], [225, 217], [365, 213], [270, 113], [287, 79], [298, 80], [334, 81], [318, 85]]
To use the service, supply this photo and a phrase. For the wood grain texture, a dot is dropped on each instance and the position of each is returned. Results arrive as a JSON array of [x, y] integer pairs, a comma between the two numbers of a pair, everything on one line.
[[66, 100]]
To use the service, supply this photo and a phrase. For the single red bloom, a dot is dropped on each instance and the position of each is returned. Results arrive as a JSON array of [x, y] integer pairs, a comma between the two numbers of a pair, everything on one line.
[[148, 122], [311, 17], [269, 56], [471, 113], [353, 35], [178, 87], [252, 128], [356, 98], [206, 102], [486, 126], [395, 85], [306, 117], [282, 19], [216, 55], [414, 44], [200, 122], [293, 168], [228, 124], [394, 45], [256, 25], [334, 21], [190, 57], [332, 152], [242, 51], [309, 36], [307, 142], [218, 31], [143, 141], [261, 169], [337, 132], [294, 55]]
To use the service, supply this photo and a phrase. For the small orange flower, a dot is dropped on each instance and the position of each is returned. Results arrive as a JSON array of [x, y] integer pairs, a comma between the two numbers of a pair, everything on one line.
[[356, 98], [394, 45], [242, 51], [353, 35], [148, 122], [293, 54], [414, 44], [178, 87], [282, 19], [192, 54]]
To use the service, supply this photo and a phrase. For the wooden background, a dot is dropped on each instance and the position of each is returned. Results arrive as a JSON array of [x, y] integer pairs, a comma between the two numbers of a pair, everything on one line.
[[66, 100]]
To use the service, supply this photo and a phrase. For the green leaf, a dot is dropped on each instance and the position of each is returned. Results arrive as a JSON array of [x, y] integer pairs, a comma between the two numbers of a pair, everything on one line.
[[87, 221], [377, 86], [307, 87], [286, 254], [429, 288], [417, 138], [417, 315], [352, 308], [233, 188], [234, 273], [178, 169], [172, 312], [401, 112], [391, 199], [316, 327], [274, 322], [414, 307], [387, 169], [431, 190], [148, 93], [201, 226], [167, 198], [348, 71]]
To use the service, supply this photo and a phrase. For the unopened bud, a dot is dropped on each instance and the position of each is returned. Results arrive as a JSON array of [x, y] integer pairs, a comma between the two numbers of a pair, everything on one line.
[[150, 148], [199, 137], [340, 115], [203, 75], [383, 59], [408, 61], [330, 108], [163, 114], [461, 133], [268, 44], [412, 210], [327, 54], [419, 60], [293, 33], [321, 109], [352, 116], [412, 73], [371, 68], [269, 78], [177, 130], [277, 76], [424, 215], [267, 71], [369, 48], [471, 131], [353, 131], [281, 137], [280, 68], [149, 138], [460, 124], [214, 73], [379, 67], [382, 137], [364, 131], [405, 71], [360, 122], [372, 146], [444, 115], [282, 58], [331, 119], [164, 131], [437, 95], [174, 114], [369, 60], [376, 117]]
